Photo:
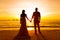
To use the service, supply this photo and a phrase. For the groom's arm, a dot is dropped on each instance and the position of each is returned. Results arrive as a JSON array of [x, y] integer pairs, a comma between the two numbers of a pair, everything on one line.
[[39, 17], [32, 16]]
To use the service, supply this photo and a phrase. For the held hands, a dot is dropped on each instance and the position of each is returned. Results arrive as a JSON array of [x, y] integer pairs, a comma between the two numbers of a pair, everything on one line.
[[30, 20]]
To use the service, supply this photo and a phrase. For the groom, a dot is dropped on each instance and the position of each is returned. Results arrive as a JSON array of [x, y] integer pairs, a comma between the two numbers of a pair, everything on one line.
[[36, 16]]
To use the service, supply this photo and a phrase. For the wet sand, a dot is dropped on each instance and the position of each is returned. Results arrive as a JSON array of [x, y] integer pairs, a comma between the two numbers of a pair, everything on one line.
[[49, 34]]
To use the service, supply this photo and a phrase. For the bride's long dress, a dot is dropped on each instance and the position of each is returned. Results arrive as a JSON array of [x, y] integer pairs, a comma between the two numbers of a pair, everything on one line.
[[23, 32]]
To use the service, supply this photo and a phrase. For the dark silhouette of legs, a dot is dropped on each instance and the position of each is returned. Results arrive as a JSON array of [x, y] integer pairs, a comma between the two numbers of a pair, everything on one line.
[[35, 28], [36, 23], [38, 27]]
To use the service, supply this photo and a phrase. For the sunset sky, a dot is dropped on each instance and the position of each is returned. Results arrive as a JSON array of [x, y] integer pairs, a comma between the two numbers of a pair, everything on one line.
[[13, 8]]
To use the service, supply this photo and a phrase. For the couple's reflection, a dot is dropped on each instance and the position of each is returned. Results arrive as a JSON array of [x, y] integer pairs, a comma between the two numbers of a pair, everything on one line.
[[23, 32]]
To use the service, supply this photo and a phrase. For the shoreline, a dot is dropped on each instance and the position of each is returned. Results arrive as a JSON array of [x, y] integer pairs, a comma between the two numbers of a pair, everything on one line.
[[30, 28]]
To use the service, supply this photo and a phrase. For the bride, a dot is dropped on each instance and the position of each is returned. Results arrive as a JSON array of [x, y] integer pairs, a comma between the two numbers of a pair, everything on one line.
[[23, 32]]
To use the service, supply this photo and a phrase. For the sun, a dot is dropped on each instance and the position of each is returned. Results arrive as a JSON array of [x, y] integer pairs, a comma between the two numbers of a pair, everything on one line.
[[29, 8]]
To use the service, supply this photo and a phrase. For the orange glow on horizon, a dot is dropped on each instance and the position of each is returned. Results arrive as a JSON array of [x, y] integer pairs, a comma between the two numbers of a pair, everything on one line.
[[14, 8], [49, 9]]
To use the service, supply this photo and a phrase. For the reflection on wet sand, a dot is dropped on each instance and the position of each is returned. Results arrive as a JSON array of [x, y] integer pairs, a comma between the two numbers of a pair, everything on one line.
[[48, 33]]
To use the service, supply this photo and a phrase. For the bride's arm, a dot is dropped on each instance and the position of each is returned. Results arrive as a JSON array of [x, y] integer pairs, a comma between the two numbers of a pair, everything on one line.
[[27, 18]]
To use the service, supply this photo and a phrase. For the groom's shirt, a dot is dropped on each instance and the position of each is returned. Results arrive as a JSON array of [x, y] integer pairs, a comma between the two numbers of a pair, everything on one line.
[[36, 16]]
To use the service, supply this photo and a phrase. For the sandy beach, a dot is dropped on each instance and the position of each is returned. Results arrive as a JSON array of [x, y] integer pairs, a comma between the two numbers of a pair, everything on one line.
[[48, 33]]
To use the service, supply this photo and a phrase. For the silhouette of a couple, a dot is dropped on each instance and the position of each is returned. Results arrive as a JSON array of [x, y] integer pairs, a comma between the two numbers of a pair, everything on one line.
[[23, 32]]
